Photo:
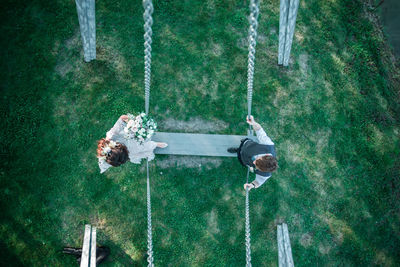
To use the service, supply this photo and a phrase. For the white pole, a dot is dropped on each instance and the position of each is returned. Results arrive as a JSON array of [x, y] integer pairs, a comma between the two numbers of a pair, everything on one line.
[[91, 15], [87, 24], [294, 5], [284, 6]]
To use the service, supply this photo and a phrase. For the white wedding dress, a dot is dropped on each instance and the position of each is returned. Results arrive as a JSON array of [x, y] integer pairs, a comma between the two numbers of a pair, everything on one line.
[[136, 150]]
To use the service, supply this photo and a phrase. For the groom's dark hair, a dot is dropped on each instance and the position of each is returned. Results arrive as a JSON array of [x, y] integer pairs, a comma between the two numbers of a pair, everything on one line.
[[267, 163]]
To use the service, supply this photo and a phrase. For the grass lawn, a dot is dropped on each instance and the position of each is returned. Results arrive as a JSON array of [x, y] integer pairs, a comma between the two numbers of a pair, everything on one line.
[[333, 115]]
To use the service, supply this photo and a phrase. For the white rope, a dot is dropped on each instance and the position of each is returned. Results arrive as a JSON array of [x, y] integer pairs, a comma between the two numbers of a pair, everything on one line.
[[247, 226], [148, 22], [254, 11], [149, 233]]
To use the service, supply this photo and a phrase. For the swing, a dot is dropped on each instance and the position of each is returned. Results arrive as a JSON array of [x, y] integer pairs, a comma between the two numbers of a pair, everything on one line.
[[198, 144]]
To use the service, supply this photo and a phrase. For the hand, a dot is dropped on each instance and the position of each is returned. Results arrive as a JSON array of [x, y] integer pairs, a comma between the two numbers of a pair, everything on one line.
[[162, 145], [125, 118], [250, 121], [249, 186]]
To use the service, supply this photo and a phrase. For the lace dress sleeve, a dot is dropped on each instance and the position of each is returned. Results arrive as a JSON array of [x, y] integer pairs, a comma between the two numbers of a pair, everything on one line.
[[103, 165], [116, 130]]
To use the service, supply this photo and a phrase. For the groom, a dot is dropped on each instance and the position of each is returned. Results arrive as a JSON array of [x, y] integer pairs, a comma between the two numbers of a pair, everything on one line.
[[259, 157]]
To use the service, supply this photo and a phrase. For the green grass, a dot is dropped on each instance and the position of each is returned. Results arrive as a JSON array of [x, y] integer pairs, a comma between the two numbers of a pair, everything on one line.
[[333, 114]]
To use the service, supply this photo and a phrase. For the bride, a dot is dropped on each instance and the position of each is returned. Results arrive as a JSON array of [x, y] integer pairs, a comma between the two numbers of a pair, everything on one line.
[[115, 149]]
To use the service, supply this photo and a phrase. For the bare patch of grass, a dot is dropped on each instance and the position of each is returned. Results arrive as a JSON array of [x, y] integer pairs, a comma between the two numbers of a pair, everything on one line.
[[324, 248], [181, 162], [321, 139], [107, 53], [63, 68], [217, 49], [299, 36], [74, 41], [306, 240], [212, 221], [242, 43], [133, 252], [64, 65], [261, 38], [293, 151], [281, 96], [382, 259], [338, 228], [303, 62]]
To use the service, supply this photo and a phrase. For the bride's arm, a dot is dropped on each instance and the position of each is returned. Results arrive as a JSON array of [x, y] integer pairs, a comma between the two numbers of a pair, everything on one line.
[[118, 127]]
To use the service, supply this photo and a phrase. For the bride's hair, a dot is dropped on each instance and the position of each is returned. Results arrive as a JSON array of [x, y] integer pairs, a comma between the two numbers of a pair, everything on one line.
[[118, 154]]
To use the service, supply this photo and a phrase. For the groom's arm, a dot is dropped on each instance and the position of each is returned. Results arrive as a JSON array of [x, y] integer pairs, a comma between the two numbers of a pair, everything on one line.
[[260, 180], [263, 138], [261, 135], [257, 182]]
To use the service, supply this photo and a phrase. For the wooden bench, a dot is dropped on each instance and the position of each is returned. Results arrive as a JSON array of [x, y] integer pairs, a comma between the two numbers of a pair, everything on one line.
[[88, 258], [284, 249], [198, 144]]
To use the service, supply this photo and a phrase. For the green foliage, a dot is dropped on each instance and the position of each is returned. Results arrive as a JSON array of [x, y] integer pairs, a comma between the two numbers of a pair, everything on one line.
[[334, 116]]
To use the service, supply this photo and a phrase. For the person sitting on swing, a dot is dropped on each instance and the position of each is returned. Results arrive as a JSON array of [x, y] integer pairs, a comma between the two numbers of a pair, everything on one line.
[[259, 157], [115, 150]]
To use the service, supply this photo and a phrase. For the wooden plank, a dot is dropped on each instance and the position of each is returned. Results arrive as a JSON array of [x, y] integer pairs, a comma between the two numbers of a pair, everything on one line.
[[93, 248], [293, 7], [288, 249], [283, 19], [81, 8], [87, 25], [198, 144], [85, 247], [91, 19], [281, 248]]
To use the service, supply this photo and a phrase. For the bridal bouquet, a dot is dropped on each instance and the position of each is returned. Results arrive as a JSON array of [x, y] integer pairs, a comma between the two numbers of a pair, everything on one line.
[[140, 128]]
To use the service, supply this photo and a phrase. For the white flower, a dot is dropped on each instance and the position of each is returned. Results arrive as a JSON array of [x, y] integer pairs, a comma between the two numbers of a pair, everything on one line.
[[142, 131], [130, 123], [126, 130], [134, 129], [112, 144], [142, 114], [106, 150], [151, 132]]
